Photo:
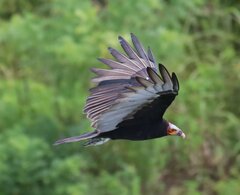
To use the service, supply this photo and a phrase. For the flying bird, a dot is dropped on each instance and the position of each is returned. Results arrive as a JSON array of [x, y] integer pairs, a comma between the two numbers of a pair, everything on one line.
[[130, 98]]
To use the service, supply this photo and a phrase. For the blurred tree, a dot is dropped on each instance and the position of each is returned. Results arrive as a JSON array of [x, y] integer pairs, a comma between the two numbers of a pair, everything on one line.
[[46, 50]]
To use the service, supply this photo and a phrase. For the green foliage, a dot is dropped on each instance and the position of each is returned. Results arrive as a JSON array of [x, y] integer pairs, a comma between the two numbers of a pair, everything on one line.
[[46, 51]]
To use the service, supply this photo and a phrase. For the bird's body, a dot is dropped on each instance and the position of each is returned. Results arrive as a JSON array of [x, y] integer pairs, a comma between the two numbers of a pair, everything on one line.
[[137, 132], [130, 98]]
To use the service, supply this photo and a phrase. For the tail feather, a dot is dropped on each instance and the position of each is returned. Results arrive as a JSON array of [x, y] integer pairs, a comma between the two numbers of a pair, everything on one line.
[[77, 138], [96, 141]]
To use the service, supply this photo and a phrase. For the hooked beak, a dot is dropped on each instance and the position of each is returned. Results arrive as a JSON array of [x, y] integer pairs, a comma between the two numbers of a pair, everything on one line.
[[181, 134], [174, 130]]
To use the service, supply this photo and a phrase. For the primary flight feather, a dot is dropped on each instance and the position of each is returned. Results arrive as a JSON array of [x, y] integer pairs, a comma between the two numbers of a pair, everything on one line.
[[130, 98]]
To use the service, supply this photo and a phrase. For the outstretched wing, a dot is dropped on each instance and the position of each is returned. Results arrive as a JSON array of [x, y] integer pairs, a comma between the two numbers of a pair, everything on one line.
[[131, 90]]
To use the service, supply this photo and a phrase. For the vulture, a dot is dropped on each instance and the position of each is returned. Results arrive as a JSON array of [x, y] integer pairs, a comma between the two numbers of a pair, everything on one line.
[[129, 99]]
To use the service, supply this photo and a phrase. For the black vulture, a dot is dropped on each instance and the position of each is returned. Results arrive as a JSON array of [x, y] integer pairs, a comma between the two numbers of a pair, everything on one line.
[[130, 98]]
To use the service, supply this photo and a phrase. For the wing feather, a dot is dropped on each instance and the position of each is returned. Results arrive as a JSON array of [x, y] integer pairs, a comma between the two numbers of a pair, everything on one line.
[[175, 82], [131, 86], [144, 82], [121, 64], [130, 52], [151, 57], [105, 78], [138, 47], [154, 76], [136, 100]]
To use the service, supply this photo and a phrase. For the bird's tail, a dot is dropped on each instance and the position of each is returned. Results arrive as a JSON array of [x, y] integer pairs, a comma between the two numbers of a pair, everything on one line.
[[77, 138], [96, 141]]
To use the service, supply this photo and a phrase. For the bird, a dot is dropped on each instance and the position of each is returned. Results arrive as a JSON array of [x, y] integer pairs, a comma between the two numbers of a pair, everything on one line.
[[130, 98]]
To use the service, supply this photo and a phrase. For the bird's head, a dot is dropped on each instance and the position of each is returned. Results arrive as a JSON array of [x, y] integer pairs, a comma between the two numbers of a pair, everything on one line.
[[174, 130]]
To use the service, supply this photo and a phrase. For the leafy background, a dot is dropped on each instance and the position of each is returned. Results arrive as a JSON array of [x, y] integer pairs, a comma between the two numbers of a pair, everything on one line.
[[46, 50]]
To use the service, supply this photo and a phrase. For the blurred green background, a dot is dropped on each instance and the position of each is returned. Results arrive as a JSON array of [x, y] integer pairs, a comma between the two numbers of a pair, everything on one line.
[[46, 50]]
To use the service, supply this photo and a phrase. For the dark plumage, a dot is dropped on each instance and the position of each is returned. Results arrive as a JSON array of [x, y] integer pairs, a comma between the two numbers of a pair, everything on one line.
[[130, 98]]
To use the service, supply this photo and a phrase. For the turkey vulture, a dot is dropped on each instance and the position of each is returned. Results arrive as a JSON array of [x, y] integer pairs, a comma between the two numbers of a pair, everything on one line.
[[129, 99]]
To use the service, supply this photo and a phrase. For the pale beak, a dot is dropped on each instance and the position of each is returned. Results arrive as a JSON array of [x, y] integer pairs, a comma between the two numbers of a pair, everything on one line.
[[183, 135]]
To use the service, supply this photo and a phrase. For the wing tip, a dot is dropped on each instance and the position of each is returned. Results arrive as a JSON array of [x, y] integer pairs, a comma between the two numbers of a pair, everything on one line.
[[133, 36], [164, 70], [120, 38], [175, 82]]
